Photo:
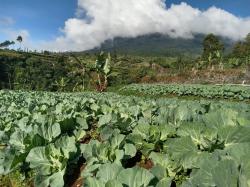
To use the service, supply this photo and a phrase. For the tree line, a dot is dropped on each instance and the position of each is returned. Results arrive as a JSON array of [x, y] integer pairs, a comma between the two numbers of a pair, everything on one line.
[[213, 52], [76, 72]]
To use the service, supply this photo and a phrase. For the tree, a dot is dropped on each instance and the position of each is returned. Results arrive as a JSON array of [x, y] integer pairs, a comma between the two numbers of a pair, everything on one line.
[[80, 69], [6, 44], [247, 39], [211, 48], [20, 40], [241, 50]]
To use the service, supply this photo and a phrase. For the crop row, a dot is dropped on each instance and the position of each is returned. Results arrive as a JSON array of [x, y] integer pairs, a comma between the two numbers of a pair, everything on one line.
[[115, 141], [205, 91]]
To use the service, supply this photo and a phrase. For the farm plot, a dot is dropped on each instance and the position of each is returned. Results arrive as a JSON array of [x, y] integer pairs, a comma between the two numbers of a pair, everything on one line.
[[107, 140], [236, 92]]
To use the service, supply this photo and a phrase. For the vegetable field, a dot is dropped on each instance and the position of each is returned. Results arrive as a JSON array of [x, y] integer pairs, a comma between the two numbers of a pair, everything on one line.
[[236, 92], [107, 140]]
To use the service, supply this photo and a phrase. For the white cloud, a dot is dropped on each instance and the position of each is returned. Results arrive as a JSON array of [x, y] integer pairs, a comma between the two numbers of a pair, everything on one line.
[[107, 19]]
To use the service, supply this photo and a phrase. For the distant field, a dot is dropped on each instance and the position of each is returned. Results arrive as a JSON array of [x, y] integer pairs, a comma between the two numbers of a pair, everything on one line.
[[237, 92]]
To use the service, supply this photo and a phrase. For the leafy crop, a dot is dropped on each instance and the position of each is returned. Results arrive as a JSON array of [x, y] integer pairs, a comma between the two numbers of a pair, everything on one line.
[[124, 141], [205, 91]]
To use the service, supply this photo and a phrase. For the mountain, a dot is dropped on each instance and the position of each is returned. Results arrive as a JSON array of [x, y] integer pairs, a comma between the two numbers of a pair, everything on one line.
[[157, 45]]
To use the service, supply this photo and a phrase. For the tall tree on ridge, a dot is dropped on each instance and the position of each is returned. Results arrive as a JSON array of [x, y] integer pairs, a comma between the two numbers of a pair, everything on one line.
[[211, 47], [20, 40]]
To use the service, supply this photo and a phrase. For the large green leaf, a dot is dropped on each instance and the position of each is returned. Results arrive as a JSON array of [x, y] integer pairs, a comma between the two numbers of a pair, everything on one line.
[[183, 151], [93, 182], [135, 177], [160, 158], [108, 172], [107, 68], [67, 145], [82, 122], [116, 140], [49, 131], [87, 149], [244, 178], [194, 130], [54, 180], [113, 183], [182, 113], [46, 160], [130, 150], [212, 172], [37, 158], [234, 135], [7, 157], [223, 117], [180, 146], [91, 167], [104, 119], [142, 129], [20, 140], [166, 182], [166, 131], [159, 171], [226, 170]]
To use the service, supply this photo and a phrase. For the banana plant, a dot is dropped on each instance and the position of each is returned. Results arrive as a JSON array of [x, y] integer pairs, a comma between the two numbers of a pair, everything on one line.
[[61, 84], [210, 57], [107, 69], [103, 69], [219, 56]]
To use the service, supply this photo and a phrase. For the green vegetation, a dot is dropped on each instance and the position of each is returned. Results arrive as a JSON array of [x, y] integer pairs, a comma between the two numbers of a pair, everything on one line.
[[212, 46], [103, 69], [69, 72], [241, 52], [239, 92], [119, 141], [72, 137]]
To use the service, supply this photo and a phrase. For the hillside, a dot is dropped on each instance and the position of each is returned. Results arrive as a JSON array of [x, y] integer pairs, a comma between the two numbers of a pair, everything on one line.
[[158, 45]]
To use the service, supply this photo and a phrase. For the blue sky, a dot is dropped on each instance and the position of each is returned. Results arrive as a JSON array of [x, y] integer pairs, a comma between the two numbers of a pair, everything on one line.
[[237, 7], [44, 18]]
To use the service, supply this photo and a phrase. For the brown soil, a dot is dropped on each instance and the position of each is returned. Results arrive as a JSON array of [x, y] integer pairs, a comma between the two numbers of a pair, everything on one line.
[[232, 76], [147, 164], [75, 179], [86, 139]]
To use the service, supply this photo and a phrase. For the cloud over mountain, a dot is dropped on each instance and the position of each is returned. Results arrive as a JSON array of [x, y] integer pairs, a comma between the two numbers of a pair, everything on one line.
[[99, 20]]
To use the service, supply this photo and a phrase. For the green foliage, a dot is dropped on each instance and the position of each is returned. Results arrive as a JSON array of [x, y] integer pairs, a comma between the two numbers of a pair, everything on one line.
[[16, 179], [234, 62], [45, 72], [103, 68], [241, 51], [212, 48], [206, 91], [190, 143]]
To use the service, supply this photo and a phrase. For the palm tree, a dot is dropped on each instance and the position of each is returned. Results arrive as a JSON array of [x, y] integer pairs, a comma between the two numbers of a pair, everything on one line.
[[19, 39]]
